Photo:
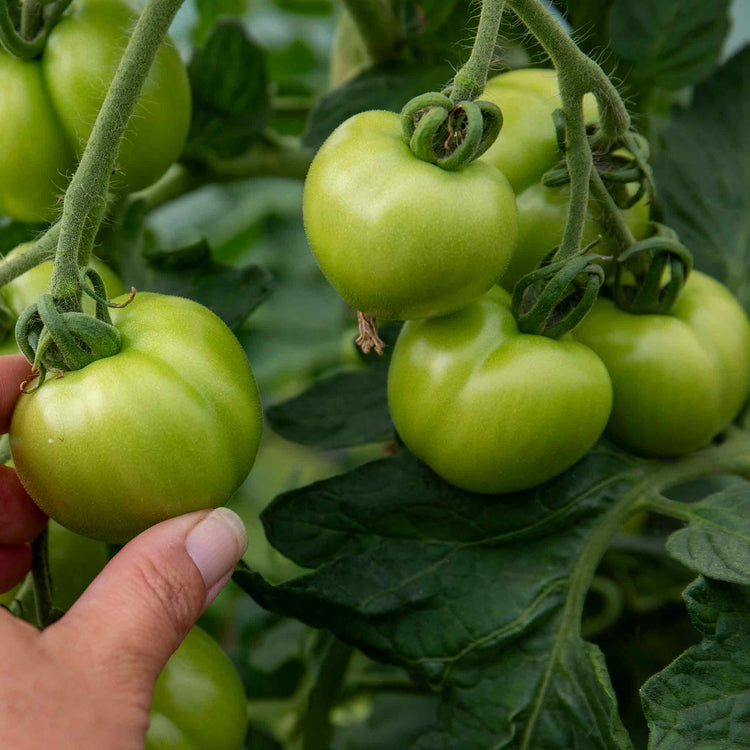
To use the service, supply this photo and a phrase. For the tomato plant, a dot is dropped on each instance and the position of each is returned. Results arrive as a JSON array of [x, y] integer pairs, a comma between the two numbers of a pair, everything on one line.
[[400, 238], [49, 107], [131, 462], [518, 520], [199, 700], [678, 379]]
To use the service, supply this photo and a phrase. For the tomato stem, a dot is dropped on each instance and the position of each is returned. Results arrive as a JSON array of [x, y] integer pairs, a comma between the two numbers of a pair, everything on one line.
[[31, 18], [471, 79], [614, 219], [30, 42], [86, 197], [42, 580], [43, 249]]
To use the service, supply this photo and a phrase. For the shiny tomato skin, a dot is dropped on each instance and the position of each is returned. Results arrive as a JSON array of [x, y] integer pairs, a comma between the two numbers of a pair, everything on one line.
[[400, 238], [678, 379], [490, 409], [169, 425], [199, 701]]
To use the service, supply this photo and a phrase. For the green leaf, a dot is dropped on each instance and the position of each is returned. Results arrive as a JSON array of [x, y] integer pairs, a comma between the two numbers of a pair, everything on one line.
[[344, 410], [716, 541], [479, 596], [229, 82], [387, 87], [703, 172], [702, 700], [185, 272], [671, 43]]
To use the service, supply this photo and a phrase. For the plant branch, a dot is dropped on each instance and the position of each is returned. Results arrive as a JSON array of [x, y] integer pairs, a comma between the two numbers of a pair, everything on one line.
[[43, 249], [614, 219], [86, 197], [45, 611], [317, 722], [471, 79], [377, 24], [577, 75]]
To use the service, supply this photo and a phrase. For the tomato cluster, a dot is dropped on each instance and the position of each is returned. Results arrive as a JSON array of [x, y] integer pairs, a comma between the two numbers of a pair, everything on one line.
[[487, 407], [49, 105]]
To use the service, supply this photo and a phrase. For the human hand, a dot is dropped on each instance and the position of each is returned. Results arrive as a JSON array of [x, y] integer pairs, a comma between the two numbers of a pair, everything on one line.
[[87, 681]]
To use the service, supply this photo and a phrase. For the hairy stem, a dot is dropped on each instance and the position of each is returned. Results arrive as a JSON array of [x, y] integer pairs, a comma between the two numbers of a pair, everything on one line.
[[43, 249], [377, 24], [614, 219], [577, 75], [471, 79], [86, 197]]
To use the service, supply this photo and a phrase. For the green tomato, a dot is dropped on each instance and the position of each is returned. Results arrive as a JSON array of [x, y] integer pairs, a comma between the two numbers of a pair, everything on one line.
[[491, 409], [199, 701], [48, 108], [527, 145], [678, 379], [170, 424], [542, 214], [400, 238], [24, 290]]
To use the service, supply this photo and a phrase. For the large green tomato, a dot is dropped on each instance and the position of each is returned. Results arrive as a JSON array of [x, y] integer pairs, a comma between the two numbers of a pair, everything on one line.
[[527, 145], [170, 424], [491, 409], [25, 290], [542, 215], [199, 701], [48, 108], [678, 379], [400, 238]]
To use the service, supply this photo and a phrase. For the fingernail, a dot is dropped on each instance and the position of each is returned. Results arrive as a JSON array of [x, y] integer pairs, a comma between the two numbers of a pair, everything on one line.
[[216, 544]]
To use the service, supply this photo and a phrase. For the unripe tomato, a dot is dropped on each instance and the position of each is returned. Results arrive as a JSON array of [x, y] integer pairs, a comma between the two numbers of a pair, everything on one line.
[[169, 425], [542, 215], [24, 290], [678, 379], [527, 145], [400, 238], [48, 108], [199, 701], [491, 409]]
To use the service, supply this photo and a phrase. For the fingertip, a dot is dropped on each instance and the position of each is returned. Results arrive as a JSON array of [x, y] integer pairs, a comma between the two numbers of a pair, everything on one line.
[[14, 369]]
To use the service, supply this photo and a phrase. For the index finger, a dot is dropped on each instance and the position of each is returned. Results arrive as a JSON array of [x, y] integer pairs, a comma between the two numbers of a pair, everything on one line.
[[14, 369]]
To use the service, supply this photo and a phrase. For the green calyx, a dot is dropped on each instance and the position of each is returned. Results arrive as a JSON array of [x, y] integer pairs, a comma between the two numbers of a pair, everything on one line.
[[30, 46], [553, 299], [449, 134], [60, 341], [650, 274]]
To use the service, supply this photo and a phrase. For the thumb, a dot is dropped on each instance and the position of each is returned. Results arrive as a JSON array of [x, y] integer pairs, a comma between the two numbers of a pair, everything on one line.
[[143, 603]]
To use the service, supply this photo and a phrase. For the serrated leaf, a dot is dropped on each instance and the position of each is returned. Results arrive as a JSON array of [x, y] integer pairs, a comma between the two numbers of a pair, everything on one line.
[[716, 542], [702, 700], [669, 44], [476, 595], [229, 82], [344, 410], [185, 272], [703, 172], [387, 87]]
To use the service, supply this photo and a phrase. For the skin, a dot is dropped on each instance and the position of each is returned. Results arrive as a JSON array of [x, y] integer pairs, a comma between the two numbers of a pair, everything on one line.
[[199, 701], [490, 409], [57, 98], [400, 238], [678, 379], [542, 214], [24, 290], [179, 394], [527, 145]]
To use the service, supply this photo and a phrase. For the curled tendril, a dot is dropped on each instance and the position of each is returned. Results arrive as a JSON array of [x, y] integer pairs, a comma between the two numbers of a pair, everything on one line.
[[621, 164], [447, 134], [650, 274], [554, 299], [58, 341]]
